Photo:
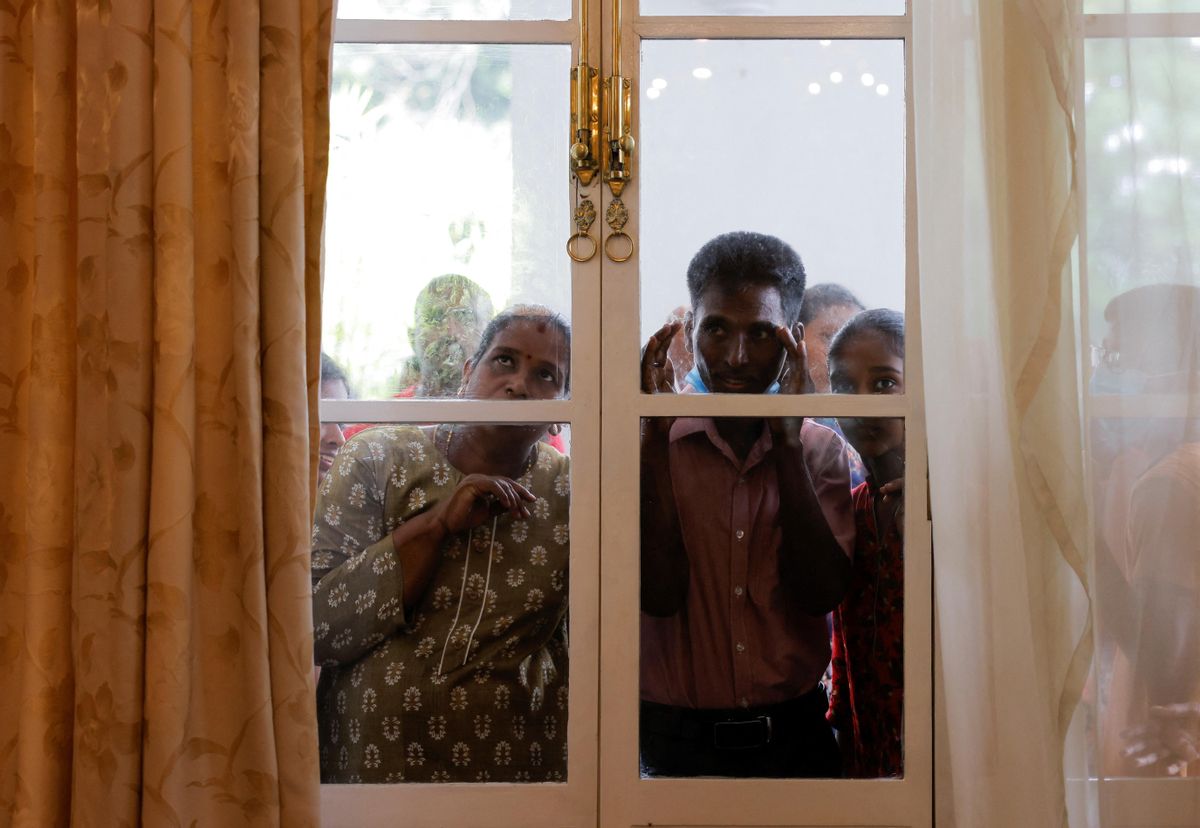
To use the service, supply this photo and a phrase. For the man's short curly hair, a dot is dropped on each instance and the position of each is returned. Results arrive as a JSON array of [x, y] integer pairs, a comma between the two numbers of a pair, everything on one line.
[[734, 261]]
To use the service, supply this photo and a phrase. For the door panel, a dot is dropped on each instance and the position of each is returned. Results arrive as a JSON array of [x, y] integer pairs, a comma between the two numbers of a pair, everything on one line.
[[448, 204], [800, 139], [800, 130]]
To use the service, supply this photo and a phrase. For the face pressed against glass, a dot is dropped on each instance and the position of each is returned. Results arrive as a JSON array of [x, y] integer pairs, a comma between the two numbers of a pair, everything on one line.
[[526, 360], [733, 341], [730, 544], [868, 364]]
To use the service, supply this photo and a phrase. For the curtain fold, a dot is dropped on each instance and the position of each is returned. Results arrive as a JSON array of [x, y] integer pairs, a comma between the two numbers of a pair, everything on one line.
[[997, 189], [1062, 370], [162, 174]]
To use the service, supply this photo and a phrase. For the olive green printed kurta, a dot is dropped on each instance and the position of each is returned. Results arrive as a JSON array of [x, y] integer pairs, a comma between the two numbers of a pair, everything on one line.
[[473, 686]]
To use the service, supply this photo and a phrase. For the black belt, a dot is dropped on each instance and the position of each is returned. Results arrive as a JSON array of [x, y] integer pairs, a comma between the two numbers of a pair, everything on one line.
[[739, 728]]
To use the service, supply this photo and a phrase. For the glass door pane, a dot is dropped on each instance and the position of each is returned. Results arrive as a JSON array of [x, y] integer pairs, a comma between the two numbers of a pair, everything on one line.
[[800, 140], [446, 205], [751, 665]]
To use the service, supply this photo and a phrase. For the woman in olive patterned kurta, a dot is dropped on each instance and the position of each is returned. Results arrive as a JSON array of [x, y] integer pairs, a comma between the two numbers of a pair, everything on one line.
[[462, 677]]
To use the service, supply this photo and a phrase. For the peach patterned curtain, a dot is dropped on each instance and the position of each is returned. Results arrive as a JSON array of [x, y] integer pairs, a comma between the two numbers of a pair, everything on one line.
[[162, 175]]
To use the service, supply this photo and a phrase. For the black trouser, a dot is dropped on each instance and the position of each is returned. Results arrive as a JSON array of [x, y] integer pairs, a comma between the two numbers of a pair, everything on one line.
[[791, 739]]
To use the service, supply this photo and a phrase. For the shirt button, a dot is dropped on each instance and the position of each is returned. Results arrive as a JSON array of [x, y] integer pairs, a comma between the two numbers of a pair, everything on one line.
[[740, 647], [737, 590], [739, 534]]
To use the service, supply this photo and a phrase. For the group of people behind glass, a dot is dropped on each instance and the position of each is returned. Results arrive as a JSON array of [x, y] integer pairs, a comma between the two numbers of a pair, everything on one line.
[[760, 560], [441, 553]]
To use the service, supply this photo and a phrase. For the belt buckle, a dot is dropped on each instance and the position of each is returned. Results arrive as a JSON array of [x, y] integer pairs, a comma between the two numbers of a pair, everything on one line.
[[742, 735]]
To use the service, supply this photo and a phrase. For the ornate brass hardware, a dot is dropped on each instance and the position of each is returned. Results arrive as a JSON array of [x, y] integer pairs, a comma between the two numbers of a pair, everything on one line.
[[615, 217], [619, 146], [585, 109], [585, 154], [585, 123], [618, 98], [585, 214]]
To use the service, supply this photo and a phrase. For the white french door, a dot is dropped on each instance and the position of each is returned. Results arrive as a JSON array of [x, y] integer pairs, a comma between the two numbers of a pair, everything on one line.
[[793, 119]]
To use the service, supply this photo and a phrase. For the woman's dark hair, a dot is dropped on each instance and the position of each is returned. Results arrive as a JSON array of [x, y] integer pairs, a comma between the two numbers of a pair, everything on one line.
[[537, 314], [819, 298], [332, 372], [733, 261], [882, 322]]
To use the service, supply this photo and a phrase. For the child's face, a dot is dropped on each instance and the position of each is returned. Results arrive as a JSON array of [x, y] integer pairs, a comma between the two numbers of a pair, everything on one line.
[[867, 365]]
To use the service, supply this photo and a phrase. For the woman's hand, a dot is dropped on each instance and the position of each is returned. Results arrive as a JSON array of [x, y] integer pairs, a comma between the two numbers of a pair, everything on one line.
[[478, 497]]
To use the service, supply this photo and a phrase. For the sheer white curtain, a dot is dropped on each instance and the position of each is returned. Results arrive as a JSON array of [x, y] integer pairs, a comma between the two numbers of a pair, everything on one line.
[[1060, 336]]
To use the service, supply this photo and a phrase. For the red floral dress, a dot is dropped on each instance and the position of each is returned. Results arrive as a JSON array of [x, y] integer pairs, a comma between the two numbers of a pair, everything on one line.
[[866, 700]]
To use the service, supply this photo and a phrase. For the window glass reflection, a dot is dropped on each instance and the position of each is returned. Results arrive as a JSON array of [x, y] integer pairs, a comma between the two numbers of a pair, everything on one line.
[[1146, 491], [445, 204], [1147, 487], [1143, 147]]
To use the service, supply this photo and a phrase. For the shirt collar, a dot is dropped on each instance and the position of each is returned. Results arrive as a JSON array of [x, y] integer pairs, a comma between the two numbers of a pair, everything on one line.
[[687, 426]]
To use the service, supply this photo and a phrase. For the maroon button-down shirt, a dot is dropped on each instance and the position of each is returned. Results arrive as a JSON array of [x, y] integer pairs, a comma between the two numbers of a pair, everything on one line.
[[739, 640]]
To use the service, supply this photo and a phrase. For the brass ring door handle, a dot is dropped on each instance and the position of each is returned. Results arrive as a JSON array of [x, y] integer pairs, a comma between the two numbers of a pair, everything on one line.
[[580, 257], [620, 234]]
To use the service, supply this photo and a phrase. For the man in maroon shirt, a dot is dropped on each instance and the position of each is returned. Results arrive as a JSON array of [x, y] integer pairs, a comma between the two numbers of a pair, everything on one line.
[[747, 528]]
